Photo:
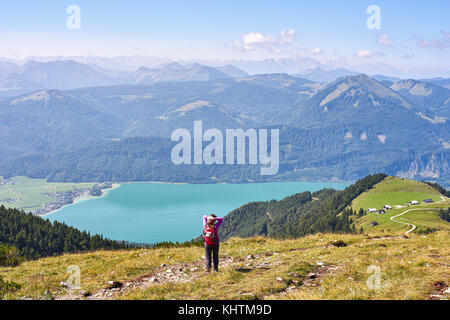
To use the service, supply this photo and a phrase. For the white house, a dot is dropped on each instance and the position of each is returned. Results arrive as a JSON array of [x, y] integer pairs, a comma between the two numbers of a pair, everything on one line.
[[414, 202], [372, 210]]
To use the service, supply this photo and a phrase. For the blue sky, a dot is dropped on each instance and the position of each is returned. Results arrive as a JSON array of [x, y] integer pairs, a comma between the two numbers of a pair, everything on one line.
[[413, 33]]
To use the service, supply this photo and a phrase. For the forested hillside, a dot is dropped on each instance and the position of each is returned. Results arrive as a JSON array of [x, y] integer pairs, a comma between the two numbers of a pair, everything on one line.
[[36, 237], [298, 215], [342, 130]]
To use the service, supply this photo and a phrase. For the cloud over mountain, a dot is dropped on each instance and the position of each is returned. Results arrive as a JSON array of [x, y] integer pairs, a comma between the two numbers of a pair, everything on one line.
[[368, 54], [253, 40]]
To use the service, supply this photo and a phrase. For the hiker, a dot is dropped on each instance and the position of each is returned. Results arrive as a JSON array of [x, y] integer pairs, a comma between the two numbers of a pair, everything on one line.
[[211, 225]]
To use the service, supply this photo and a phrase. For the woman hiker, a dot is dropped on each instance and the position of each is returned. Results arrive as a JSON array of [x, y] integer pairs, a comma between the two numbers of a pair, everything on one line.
[[211, 225]]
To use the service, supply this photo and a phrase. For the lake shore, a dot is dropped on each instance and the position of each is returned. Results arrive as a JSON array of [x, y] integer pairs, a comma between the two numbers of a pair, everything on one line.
[[83, 198], [158, 212], [105, 191], [160, 182]]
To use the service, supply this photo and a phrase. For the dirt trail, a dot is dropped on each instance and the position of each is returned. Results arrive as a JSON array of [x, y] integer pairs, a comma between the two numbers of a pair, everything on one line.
[[188, 272], [177, 273]]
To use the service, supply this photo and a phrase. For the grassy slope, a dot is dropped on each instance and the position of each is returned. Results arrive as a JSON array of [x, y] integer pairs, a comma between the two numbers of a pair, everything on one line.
[[31, 192], [398, 192], [425, 219], [395, 191], [408, 268]]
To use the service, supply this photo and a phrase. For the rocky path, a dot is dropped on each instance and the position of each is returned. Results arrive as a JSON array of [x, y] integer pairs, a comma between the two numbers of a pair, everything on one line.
[[188, 272], [178, 273]]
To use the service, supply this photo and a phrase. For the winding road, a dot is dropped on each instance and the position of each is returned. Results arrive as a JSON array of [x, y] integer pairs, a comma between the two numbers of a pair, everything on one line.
[[410, 224]]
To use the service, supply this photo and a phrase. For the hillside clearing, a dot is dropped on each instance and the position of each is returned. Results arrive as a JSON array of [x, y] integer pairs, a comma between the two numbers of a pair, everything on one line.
[[395, 191]]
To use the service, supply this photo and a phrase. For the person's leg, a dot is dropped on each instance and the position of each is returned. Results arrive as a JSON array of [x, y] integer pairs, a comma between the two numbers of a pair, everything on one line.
[[208, 250], [216, 257]]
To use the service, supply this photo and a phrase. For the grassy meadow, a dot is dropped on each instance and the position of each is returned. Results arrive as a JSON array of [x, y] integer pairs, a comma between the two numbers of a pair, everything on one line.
[[395, 191]]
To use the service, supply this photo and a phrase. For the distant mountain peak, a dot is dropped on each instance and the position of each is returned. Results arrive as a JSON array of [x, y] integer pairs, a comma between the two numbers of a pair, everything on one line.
[[233, 71], [173, 66], [361, 84], [414, 87], [319, 75], [174, 72], [63, 74]]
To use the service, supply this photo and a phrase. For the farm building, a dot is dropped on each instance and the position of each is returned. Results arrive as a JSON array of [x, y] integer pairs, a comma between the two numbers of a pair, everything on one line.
[[372, 210], [374, 223], [414, 202], [428, 201], [381, 211], [387, 207]]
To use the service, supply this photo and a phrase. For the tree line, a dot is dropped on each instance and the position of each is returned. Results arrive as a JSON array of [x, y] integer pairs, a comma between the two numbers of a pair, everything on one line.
[[36, 237]]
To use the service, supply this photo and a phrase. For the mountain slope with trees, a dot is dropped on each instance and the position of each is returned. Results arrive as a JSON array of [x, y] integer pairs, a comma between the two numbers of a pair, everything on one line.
[[36, 237], [299, 214], [345, 211]]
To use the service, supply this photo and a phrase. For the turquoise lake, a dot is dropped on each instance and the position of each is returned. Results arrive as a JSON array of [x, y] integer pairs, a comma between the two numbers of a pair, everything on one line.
[[155, 212]]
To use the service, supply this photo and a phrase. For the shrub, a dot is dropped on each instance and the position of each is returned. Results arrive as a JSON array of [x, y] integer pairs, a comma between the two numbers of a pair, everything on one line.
[[337, 243], [7, 287], [9, 256]]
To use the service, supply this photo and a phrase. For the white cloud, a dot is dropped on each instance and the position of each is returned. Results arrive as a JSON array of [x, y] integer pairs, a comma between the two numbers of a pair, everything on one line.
[[439, 44], [384, 40], [368, 54], [287, 36], [316, 51], [252, 40]]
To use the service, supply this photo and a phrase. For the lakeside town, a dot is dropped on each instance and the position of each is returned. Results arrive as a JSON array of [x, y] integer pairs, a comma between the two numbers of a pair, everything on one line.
[[68, 197], [39, 198]]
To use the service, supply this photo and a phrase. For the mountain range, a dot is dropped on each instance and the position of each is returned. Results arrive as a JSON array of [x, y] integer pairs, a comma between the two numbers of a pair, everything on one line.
[[77, 72], [69, 74], [343, 129]]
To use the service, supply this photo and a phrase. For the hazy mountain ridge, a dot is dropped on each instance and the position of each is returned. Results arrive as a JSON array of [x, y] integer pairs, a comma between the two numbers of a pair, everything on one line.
[[15, 84], [70, 74], [347, 100], [319, 75], [427, 98], [346, 129]]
